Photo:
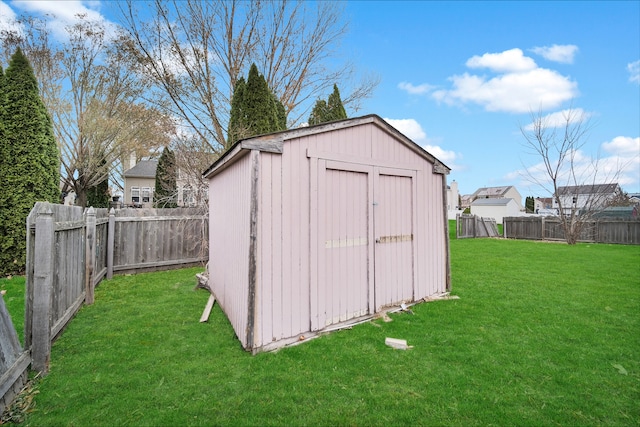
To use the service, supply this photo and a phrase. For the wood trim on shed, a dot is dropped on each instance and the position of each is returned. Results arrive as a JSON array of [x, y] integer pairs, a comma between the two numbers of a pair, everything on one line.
[[253, 247], [273, 142]]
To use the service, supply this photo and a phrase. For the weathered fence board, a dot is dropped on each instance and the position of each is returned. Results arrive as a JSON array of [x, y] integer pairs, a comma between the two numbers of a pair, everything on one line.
[[69, 251], [152, 239], [471, 226], [607, 230], [13, 361]]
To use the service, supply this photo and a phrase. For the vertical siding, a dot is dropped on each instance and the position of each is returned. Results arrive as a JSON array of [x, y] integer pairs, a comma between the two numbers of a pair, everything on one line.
[[343, 271], [327, 202], [229, 204], [394, 259]]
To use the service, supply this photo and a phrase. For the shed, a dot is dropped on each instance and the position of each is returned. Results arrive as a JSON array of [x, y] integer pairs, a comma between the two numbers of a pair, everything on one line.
[[319, 227], [495, 208]]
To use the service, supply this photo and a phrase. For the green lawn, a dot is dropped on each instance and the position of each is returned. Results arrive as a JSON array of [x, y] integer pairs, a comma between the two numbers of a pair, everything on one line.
[[543, 334]]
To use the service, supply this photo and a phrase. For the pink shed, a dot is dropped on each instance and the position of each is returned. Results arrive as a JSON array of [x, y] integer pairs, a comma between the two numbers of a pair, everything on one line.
[[318, 227]]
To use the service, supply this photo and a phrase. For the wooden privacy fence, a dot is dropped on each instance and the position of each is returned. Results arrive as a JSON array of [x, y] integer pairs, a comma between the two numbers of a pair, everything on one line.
[[608, 230], [70, 250], [470, 226]]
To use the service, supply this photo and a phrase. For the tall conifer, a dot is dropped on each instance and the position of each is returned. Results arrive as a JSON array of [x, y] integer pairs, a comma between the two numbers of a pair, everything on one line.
[[328, 111], [255, 110], [166, 191], [31, 166]]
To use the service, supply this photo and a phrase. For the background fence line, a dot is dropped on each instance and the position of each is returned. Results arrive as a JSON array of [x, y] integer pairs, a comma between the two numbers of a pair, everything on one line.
[[606, 230], [471, 226], [69, 251]]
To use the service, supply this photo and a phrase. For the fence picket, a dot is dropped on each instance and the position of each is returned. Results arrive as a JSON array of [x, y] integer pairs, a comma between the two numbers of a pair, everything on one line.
[[610, 230]]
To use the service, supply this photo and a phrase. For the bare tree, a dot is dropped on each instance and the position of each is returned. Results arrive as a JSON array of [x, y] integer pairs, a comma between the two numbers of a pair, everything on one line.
[[192, 158], [93, 98], [194, 53], [580, 186]]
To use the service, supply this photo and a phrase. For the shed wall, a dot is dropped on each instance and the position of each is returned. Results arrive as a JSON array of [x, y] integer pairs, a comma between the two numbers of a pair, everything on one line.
[[290, 280], [229, 241]]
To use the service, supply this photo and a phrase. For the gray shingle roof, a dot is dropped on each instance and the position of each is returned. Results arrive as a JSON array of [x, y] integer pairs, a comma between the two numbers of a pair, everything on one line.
[[491, 202], [144, 169]]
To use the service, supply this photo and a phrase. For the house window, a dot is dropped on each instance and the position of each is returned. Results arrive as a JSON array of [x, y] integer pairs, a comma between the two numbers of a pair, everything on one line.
[[135, 194], [187, 196], [146, 194]]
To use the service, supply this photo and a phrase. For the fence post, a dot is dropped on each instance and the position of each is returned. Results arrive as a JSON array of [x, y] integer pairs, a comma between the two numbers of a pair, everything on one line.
[[43, 286], [90, 255], [111, 230]]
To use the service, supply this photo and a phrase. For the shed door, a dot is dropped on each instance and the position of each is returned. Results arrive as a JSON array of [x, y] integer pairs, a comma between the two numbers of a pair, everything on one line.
[[394, 232], [340, 289], [362, 247]]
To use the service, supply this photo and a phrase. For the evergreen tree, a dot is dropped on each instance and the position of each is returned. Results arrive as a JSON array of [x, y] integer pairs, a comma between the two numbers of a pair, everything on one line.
[[255, 110], [261, 112], [328, 111], [98, 195], [319, 113], [529, 204], [166, 191], [237, 120], [335, 108], [30, 167]]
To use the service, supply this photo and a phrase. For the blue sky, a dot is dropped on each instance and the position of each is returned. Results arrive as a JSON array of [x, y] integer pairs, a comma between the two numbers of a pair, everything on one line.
[[461, 78]]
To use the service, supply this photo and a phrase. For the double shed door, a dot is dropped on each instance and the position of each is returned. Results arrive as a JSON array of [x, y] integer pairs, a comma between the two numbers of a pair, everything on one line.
[[362, 255]]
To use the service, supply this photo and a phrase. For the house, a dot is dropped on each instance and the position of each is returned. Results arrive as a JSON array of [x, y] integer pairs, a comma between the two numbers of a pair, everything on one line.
[[542, 204], [495, 208], [586, 197], [140, 181], [453, 200], [504, 192], [318, 227], [139, 184], [495, 204]]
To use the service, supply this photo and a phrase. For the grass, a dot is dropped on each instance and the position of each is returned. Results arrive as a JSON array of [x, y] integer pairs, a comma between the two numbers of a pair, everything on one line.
[[543, 334]]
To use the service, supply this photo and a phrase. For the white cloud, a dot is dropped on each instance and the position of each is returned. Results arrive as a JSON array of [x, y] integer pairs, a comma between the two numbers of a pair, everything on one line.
[[413, 130], [620, 165], [415, 90], [446, 156], [634, 71], [409, 127], [7, 17], [517, 86], [625, 146], [562, 118], [508, 61], [557, 53], [519, 92], [63, 14]]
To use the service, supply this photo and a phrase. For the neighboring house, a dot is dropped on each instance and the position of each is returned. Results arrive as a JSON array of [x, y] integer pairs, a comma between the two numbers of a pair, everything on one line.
[[465, 201], [191, 191], [319, 227], [498, 206], [452, 196], [140, 181], [495, 208], [542, 204], [139, 184], [586, 197], [453, 200], [505, 192], [634, 198]]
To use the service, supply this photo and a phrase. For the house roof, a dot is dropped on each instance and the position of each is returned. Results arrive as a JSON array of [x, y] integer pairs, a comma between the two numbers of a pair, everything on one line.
[[492, 191], [492, 202], [588, 189], [144, 169], [274, 142]]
